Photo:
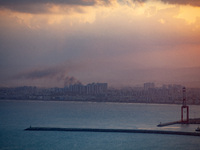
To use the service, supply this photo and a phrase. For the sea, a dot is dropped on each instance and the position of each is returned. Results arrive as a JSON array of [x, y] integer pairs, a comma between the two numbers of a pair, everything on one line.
[[16, 115]]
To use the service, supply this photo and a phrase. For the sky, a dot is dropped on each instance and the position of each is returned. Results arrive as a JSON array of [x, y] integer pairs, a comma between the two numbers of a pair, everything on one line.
[[52, 43]]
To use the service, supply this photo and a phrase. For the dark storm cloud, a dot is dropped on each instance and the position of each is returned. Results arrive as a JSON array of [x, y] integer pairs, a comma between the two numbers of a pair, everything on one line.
[[30, 2], [179, 2], [183, 2], [26, 8], [39, 6]]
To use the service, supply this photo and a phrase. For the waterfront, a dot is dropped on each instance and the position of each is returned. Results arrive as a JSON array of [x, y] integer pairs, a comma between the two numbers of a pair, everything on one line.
[[15, 116]]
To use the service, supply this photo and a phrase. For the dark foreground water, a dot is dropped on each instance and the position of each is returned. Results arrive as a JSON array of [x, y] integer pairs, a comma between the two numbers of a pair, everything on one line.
[[15, 116]]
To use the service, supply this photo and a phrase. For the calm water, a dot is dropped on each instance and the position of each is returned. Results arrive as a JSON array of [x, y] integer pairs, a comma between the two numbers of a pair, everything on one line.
[[18, 115]]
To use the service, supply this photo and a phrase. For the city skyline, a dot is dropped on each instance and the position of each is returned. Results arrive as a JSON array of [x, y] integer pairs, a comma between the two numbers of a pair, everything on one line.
[[101, 92], [120, 42]]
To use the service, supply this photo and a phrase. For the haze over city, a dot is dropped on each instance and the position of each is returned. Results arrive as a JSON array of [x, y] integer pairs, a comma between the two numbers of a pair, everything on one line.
[[50, 43]]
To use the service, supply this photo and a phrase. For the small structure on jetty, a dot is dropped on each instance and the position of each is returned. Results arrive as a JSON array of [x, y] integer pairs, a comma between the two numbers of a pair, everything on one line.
[[184, 114]]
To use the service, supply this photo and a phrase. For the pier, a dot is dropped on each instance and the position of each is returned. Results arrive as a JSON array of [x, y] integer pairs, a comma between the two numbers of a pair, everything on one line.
[[111, 130], [168, 123], [190, 121]]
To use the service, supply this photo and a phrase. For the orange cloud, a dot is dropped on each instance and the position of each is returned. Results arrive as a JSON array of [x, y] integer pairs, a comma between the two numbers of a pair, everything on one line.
[[189, 13]]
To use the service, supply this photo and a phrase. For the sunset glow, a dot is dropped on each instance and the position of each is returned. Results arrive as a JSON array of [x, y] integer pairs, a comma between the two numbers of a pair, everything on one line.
[[112, 41]]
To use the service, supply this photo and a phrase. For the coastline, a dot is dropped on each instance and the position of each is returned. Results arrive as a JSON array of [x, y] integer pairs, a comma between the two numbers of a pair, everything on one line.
[[93, 101]]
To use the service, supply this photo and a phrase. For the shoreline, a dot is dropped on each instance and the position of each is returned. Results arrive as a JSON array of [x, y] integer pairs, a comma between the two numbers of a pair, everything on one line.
[[88, 101]]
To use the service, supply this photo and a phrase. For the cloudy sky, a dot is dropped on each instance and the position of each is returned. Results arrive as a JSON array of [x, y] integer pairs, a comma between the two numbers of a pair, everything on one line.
[[122, 42]]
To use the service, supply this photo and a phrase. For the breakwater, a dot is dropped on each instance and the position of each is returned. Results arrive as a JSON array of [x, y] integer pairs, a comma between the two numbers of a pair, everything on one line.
[[112, 130]]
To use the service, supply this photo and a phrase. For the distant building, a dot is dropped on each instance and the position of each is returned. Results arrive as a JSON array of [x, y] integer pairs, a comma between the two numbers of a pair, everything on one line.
[[77, 88], [89, 89], [149, 85], [97, 88]]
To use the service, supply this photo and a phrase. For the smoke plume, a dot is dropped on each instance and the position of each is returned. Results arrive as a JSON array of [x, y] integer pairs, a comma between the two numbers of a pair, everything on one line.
[[71, 81], [42, 73], [57, 74]]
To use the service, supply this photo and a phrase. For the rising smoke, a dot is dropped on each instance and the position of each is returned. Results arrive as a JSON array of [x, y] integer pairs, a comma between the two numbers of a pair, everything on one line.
[[58, 74], [71, 81]]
